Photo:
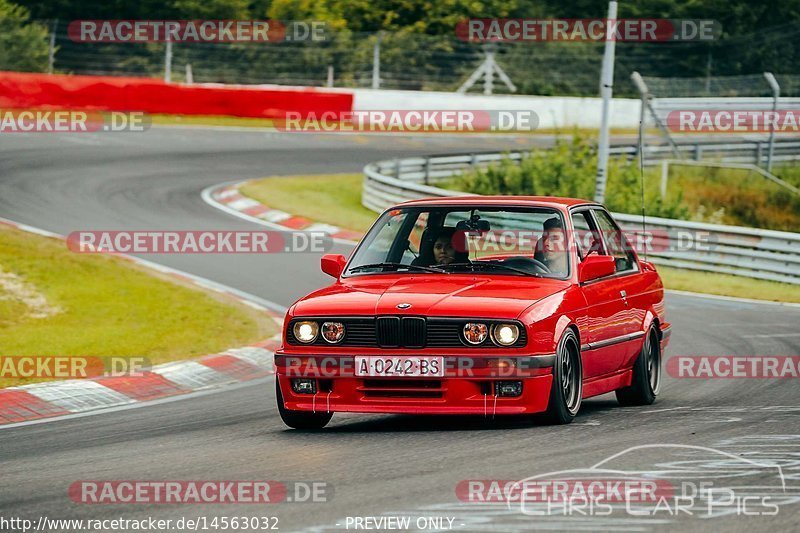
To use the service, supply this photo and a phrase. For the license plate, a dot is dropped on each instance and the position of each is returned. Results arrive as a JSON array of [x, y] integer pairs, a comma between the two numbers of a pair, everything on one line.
[[399, 366]]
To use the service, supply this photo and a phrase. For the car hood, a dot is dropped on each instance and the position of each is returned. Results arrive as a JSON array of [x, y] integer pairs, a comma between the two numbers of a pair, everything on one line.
[[453, 295]]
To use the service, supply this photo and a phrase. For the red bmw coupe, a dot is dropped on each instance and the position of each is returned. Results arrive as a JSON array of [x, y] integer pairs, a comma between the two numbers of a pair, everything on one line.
[[476, 305]]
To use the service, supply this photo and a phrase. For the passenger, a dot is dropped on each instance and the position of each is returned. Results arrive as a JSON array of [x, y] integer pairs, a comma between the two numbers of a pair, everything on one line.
[[441, 247], [443, 251], [448, 246]]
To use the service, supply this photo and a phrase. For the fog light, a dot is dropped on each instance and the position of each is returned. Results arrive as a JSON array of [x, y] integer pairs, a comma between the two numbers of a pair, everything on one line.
[[508, 388], [304, 386], [475, 332], [333, 332]]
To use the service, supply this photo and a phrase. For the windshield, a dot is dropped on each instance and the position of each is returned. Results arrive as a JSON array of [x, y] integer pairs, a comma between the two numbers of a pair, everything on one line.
[[465, 239]]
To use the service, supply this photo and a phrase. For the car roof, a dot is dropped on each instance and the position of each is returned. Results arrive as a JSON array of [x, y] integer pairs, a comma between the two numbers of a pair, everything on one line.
[[532, 201]]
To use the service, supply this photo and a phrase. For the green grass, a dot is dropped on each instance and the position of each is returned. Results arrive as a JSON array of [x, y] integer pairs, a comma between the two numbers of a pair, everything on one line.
[[210, 120], [734, 196], [110, 306], [331, 198], [336, 199], [728, 285]]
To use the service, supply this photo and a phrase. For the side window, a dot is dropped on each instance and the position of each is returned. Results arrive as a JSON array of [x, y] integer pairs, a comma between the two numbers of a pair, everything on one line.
[[378, 249], [616, 243], [586, 236]]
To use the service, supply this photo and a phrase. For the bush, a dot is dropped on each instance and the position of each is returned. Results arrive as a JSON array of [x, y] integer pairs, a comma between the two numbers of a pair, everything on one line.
[[24, 45], [568, 170]]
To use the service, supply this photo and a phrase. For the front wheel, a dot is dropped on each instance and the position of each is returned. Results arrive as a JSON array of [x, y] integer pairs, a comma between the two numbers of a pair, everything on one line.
[[646, 380], [567, 390], [300, 419]]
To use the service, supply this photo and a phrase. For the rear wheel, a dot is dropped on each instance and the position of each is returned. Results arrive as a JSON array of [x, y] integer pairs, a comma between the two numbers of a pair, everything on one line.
[[300, 419], [646, 380], [567, 390]]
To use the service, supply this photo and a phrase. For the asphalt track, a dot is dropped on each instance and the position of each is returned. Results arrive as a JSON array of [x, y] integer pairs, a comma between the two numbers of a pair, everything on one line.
[[376, 465]]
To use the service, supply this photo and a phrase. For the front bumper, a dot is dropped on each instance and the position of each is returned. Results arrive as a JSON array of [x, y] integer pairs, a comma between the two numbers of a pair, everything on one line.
[[453, 395], [666, 333]]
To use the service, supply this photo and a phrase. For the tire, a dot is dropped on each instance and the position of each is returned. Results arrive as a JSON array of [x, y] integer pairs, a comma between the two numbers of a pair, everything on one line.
[[646, 380], [567, 390], [300, 419]]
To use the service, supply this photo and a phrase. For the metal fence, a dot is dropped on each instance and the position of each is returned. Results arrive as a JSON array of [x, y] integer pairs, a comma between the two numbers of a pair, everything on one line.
[[405, 60], [754, 253]]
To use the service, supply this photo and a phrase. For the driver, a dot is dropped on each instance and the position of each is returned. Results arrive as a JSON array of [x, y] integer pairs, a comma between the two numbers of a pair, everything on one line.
[[551, 249]]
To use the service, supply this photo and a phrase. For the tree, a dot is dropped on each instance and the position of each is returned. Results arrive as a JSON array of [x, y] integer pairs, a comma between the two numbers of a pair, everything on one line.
[[23, 44]]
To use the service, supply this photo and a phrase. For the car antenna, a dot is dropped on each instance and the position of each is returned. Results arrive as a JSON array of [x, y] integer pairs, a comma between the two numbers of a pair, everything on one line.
[[641, 177]]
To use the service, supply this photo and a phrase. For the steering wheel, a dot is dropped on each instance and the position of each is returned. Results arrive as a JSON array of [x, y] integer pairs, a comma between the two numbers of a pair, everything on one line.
[[525, 263]]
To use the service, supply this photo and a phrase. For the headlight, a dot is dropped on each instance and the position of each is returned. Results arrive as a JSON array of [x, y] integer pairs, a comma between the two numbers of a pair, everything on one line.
[[306, 331], [332, 332], [505, 334], [475, 332]]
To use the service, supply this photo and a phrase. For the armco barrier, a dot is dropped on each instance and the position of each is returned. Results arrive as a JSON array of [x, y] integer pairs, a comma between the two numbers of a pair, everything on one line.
[[754, 253], [22, 90]]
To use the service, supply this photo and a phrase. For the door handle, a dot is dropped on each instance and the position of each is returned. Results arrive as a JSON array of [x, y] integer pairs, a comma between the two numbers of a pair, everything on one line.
[[624, 296]]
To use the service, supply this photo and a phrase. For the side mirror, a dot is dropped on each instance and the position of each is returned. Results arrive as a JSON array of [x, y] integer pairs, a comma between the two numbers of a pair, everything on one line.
[[647, 266], [333, 264], [596, 266]]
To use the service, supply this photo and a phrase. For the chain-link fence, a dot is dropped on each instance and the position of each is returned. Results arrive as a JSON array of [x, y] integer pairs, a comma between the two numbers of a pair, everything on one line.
[[421, 62], [722, 86]]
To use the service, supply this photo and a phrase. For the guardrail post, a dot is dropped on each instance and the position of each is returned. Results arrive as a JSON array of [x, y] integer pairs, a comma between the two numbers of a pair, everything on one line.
[[168, 61], [376, 61], [51, 57], [759, 153], [427, 170], [396, 168], [664, 177], [776, 93], [473, 160], [698, 152]]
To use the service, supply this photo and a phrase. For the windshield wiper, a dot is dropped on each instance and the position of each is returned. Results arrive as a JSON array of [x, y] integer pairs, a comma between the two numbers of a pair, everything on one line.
[[395, 266], [482, 264]]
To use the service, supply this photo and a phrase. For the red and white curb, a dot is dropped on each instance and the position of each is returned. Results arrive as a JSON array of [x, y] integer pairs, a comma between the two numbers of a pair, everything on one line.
[[228, 198], [58, 398]]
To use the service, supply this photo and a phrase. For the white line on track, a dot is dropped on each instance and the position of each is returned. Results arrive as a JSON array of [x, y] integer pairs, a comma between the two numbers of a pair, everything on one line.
[[204, 282], [771, 335]]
